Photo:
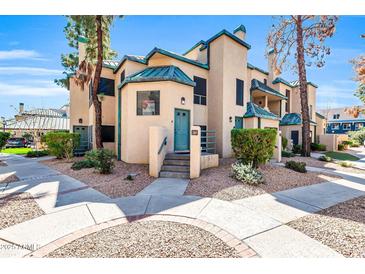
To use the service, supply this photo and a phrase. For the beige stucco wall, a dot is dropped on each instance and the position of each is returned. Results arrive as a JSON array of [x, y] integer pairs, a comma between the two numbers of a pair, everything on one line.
[[286, 132], [135, 128], [321, 126], [156, 137], [79, 105], [268, 123]]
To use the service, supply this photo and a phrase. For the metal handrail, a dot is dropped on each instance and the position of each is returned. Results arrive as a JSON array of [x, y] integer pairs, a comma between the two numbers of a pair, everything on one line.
[[164, 143], [209, 143]]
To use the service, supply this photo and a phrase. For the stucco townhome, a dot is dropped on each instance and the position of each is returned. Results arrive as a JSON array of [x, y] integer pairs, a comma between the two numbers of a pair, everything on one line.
[[211, 85]]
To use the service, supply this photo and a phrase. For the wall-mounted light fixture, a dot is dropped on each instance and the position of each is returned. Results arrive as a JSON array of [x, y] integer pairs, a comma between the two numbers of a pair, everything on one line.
[[183, 100], [230, 119], [80, 120]]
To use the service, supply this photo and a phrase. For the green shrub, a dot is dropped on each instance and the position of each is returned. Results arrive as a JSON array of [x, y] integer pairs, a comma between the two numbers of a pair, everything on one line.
[[247, 174], [253, 146], [296, 166], [284, 143], [82, 164], [318, 147], [287, 154], [346, 164], [297, 149], [325, 158], [354, 144], [37, 153], [341, 147], [62, 144], [358, 136], [102, 159], [347, 143], [4, 136]]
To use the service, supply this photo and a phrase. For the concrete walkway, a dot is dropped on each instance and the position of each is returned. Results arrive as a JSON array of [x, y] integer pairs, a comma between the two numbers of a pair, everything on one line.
[[257, 221]]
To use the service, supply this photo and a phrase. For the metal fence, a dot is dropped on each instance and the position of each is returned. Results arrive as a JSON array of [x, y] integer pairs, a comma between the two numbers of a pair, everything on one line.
[[208, 141]]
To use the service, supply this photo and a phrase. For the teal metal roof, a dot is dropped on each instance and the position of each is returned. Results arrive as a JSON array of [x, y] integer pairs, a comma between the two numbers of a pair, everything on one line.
[[175, 56], [250, 66], [110, 64], [155, 74], [240, 28], [291, 119], [291, 84], [134, 58], [320, 115], [201, 42], [254, 110], [230, 35], [82, 39], [256, 84]]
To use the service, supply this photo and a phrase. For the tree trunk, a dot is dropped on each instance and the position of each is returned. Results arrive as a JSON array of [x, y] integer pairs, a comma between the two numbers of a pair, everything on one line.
[[303, 89], [96, 102]]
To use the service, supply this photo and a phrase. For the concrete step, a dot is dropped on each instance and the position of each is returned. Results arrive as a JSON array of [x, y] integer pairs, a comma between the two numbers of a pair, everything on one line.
[[172, 162], [171, 174], [177, 156], [175, 168]]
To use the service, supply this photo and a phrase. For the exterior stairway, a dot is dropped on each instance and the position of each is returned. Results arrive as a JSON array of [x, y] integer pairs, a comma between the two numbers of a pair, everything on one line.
[[176, 166]]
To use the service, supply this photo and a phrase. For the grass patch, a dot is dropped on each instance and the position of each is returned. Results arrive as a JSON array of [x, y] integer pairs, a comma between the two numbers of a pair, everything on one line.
[[16, 150], [341, 156]]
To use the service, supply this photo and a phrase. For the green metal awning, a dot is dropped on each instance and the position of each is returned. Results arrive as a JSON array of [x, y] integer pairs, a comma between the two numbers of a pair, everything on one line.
[[254, 110]]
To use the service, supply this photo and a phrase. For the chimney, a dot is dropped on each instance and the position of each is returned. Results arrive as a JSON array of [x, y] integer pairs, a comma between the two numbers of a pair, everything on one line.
[[82, 48], [240, 32], [21, 108], [273, 73]]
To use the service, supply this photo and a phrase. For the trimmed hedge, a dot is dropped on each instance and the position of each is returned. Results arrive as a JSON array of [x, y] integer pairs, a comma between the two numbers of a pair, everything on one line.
[[318, 147], [296, 166], [341, 147], [37, 153], [287, 154], [62, 144], [252, 145]]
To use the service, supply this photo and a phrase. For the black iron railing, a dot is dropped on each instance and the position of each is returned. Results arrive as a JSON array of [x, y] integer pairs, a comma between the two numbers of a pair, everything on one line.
[[208, 141], [164, 143]]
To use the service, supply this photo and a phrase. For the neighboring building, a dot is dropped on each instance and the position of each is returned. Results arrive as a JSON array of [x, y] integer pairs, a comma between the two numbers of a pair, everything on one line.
[[341, 122], [212, 85], [321, 126], [38, 121]]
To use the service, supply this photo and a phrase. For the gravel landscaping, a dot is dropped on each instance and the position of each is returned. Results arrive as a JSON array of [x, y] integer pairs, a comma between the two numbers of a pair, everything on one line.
[[114, 185], [154, 239], [316, 163], [8, 178], [217, 183], [18, 208], [341, 227], [2, 163]]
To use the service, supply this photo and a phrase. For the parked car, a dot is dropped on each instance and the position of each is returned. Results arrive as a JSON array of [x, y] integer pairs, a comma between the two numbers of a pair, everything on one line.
[[16, 142]]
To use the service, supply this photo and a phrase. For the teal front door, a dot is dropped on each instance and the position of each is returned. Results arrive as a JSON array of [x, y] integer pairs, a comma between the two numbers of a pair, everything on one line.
[[238, 123], [181, 130], [84, 140]]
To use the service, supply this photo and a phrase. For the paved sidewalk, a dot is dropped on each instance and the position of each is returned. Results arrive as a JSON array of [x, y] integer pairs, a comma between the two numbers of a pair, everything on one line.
[[257, 221]]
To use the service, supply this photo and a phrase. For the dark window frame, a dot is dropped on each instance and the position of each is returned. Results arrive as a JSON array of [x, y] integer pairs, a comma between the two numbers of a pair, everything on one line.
[[122, 76], [157, 105], [106, 86], [287, 103], [200, 91], [240, 89], [107, 134]]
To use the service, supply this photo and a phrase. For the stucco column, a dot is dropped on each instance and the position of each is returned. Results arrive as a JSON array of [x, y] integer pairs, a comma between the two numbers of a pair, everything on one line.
[[195, 152], [266, 104], [278, 148]]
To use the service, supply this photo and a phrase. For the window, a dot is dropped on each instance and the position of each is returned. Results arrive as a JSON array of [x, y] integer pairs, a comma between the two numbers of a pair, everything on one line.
[[359, 125], [200, 91], [148, 102], [107, 134], [122, 76], [336, 126], [287, 103], [336, 116], [238, 122], [239, 92], [311, 111], [346, 126], [106, 86]]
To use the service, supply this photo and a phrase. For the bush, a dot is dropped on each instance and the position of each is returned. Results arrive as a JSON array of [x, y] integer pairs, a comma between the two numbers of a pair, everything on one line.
[[325, 158], [102, 159], [297, 149], [354, 144], [296, 166], [253, 146], [318, 147], [82, 164], [284, 143], [358, 136], [62, 144], [4, 136], [247, 174], [347, 143], [287, 154], [341, 147], [346, 164], [37, 153]]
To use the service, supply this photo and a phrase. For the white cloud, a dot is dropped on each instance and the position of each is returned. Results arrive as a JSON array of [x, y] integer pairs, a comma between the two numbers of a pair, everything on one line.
[[29, 71], [36, 89], [19, 54]]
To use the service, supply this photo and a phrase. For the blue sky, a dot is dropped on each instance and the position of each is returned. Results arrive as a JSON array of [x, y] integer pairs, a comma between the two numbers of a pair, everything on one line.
[[30, 48]]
